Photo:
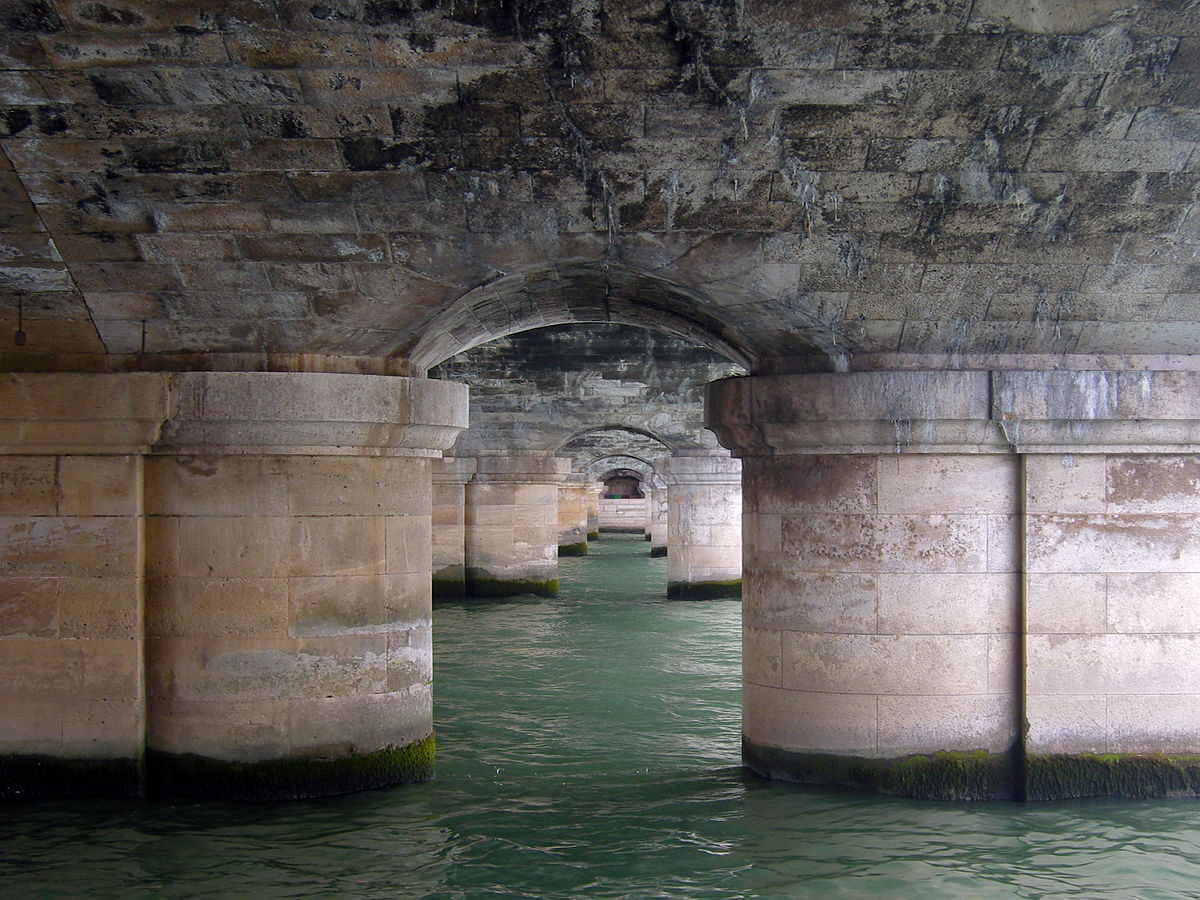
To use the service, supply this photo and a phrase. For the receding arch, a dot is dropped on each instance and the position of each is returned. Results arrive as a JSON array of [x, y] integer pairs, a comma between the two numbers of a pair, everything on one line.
[[564, 293], [603, 464], [630, 429]]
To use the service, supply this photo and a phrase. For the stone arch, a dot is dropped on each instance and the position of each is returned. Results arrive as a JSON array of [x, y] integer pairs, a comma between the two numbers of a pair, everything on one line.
[[601, 466], [630, 429], [584, 292]]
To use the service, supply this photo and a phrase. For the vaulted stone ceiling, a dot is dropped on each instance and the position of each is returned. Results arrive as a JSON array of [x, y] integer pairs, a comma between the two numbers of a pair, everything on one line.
[[354, 184]]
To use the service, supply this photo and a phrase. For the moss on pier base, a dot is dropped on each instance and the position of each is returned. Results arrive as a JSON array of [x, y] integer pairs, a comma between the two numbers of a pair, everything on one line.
[[37, 776], [189, 775], [579, 548], [1136, 775], [704, 590], [482, 584], [975, 775], [658, 551], [593, 535]]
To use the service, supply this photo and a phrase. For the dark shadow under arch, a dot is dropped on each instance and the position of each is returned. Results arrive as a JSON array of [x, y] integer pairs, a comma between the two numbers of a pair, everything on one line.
[[581, 292]]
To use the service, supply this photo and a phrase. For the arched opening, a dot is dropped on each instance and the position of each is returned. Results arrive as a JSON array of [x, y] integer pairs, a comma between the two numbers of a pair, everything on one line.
[[582, 292]]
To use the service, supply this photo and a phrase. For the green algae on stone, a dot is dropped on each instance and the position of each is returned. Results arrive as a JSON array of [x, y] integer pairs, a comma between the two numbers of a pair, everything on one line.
[[945, 775], [489, 586], [593, 535], [658, 551], [704, 590], [1062, 776], [291, 778], [39, 776], [579, 548], [449, 589]]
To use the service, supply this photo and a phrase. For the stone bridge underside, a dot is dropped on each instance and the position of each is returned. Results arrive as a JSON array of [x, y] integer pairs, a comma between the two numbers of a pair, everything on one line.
[[953, 243]]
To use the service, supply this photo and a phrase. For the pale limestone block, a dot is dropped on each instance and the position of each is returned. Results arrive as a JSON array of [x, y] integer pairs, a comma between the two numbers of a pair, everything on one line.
[[917, 483], [726, 535], [1056, 484], [536, 516], [30, 726], [99, 485], [817, 722], [360, 724], [973, 603], [336, 545], [100, 607], [111, 669], [217, 607], [761, 656], [29, 607], [1154, 484], [1067, 724], [1154, 724], [715, 557], [539, 495], [1004, 544], [1116, 663], [810, 601], [895, 543], [242, 669], [1128, 543], [1067, 664], [77, 545], [1155, 602], [197, 486], [221, 547], [496, 514], [822, 484], [407, 597], [42, 669], [337, 604], [409, 658], [910, 725], [763, 534], [102, 729], [336, 485], [487, 494], [408, 544], [1066, 604], [886, 664], [1003, 663], [244, 731], [27, 486]]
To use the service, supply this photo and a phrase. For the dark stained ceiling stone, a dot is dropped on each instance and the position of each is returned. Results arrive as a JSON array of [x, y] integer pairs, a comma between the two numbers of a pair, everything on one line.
[[374, 185]]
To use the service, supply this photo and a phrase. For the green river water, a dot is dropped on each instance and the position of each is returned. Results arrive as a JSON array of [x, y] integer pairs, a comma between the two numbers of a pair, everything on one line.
[[588, 747]]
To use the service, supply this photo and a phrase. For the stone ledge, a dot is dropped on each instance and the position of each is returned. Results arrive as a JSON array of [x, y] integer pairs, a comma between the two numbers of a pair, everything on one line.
[[229, 413], [957, 412]]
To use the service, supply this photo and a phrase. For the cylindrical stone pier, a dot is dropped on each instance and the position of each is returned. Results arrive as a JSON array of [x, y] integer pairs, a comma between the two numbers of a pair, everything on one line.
[[573, 516], [595, 491], [512, 525], [72, 712], [704, 527], [967, 584], [450, 476], [657, 517]]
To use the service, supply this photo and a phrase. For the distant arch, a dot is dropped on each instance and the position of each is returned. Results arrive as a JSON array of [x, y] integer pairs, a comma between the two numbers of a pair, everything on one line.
[[598, 467], [564, 293], [629, 429]]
